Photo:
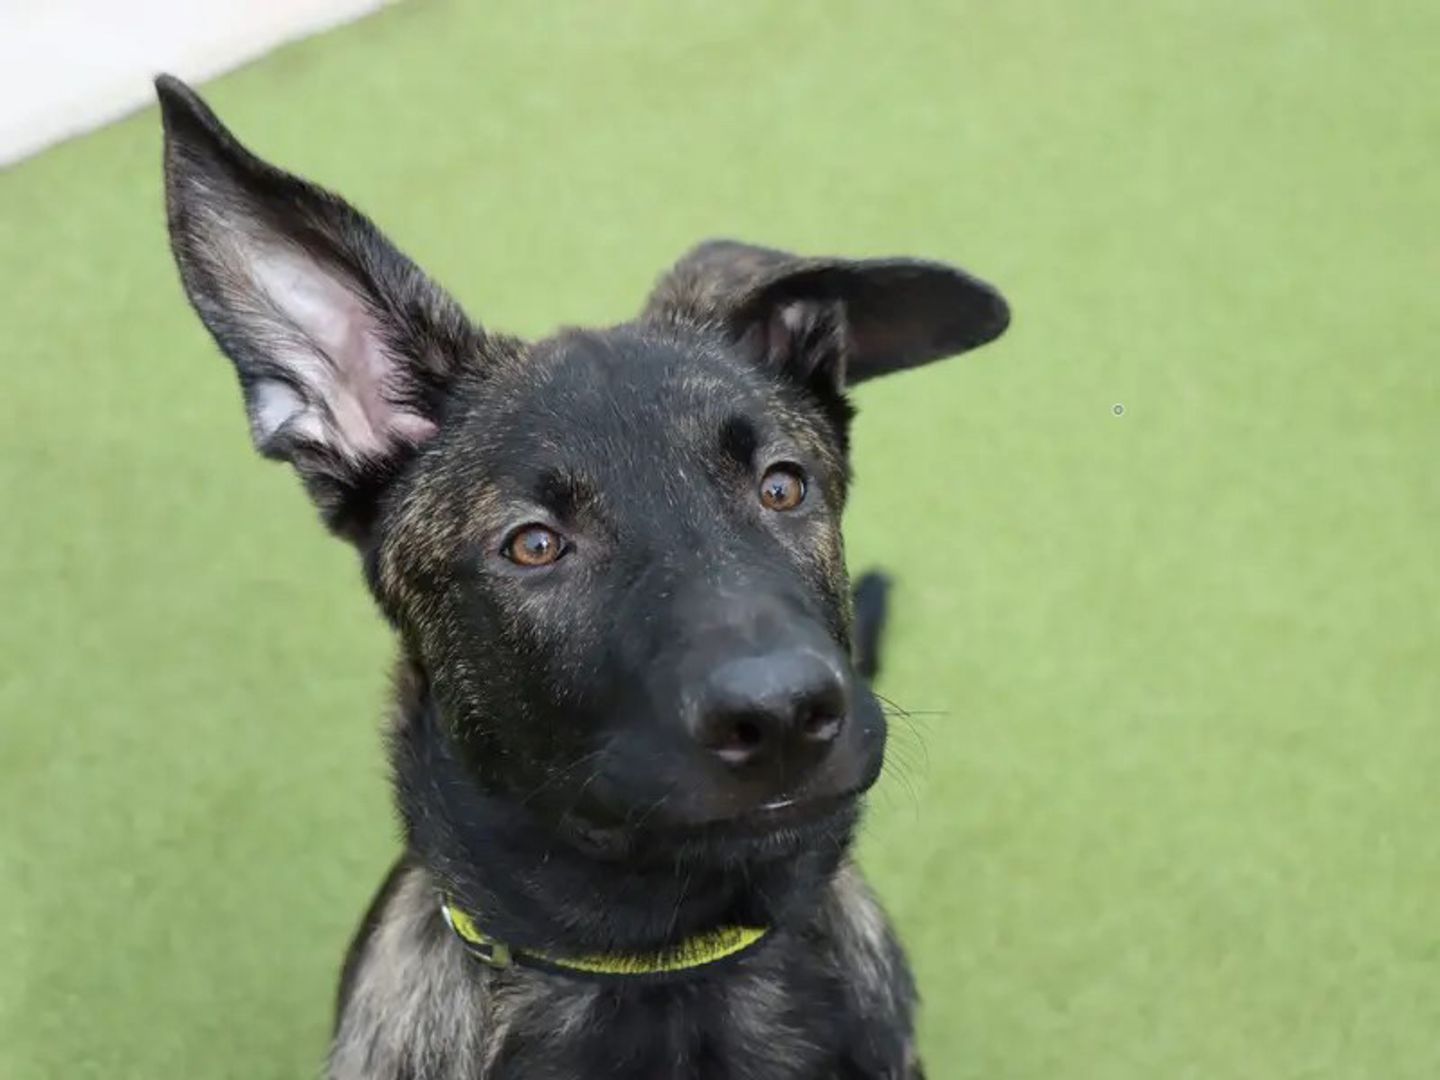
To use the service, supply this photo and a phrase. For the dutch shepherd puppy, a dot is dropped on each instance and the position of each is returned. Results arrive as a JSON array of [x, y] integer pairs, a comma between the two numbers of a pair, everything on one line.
[[631, 735]]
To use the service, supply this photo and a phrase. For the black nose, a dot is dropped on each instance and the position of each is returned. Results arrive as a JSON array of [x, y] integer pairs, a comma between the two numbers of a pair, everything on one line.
[[784, 709]]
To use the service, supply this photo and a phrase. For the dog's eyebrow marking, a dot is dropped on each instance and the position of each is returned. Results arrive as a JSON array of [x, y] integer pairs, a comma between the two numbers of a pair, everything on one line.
[[562, 493], [739, 440]]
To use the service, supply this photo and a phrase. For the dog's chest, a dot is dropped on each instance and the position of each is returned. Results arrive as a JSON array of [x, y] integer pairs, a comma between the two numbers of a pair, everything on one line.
[[745, 1025], [834, 1003], [771, 1022]]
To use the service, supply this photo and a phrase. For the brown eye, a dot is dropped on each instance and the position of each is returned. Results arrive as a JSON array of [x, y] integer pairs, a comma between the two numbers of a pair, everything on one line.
[[533, 545], [782, 488]]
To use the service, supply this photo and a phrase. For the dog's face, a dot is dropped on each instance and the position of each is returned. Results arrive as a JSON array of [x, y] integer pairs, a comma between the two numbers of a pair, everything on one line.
[[621, 562], [615, 553]]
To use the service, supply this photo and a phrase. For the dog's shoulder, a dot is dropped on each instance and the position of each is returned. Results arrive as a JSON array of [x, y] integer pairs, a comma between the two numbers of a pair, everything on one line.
[[418, 1005], [410, 1007], [879, 989]]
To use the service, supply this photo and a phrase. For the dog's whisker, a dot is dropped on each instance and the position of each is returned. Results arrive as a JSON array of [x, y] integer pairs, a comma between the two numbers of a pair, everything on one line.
[[560, 776], [653, 808], [679, 904], [887, 702], [584, 788]]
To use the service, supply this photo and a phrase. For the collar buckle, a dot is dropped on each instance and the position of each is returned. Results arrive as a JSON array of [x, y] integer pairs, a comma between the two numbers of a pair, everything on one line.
[[485, 949], [493, 954]]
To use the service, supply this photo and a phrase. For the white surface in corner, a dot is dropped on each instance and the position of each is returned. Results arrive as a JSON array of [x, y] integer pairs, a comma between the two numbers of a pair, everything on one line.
[[67, 66]]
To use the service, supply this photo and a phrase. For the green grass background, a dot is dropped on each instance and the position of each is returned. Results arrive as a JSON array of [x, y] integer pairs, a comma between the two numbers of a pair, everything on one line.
[[1172, 807]]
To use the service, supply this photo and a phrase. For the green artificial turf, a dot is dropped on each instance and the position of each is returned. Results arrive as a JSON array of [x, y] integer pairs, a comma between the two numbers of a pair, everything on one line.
[[1169, 805]]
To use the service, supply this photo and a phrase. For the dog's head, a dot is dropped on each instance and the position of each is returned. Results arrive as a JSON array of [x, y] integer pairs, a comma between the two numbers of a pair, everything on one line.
[[615, 553]]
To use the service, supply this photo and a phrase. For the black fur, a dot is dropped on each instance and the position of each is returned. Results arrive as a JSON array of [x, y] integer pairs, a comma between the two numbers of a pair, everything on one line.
[[668, 727]]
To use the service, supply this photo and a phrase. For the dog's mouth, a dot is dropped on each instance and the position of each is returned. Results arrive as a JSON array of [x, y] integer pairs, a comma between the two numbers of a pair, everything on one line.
[[771, 829], [787, 813]]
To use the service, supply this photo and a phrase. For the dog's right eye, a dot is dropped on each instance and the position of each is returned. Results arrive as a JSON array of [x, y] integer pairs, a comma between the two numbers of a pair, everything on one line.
[[533, 545]]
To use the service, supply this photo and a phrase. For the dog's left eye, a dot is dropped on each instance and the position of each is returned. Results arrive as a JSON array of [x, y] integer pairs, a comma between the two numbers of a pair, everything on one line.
[[782, 488], [533, 545]]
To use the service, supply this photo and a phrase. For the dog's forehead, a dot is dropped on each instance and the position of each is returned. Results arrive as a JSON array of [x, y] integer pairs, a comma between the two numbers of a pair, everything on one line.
[[594, 370], [591, 393]]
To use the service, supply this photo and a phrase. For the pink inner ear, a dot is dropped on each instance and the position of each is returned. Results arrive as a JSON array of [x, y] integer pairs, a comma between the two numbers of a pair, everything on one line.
[[330, 344]]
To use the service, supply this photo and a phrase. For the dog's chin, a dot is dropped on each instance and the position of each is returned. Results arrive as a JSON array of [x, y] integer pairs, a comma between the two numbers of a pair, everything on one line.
[[774, 830]]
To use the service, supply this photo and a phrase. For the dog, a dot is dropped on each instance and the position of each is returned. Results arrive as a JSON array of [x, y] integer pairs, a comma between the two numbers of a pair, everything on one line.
[[630, 739]]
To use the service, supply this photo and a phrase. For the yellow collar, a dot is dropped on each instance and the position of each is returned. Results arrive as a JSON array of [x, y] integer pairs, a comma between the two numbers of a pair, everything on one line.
[[702, 950]]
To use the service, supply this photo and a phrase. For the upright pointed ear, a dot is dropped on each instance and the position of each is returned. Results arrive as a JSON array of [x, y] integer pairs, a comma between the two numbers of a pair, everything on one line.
[[882, 315], [343, 347]]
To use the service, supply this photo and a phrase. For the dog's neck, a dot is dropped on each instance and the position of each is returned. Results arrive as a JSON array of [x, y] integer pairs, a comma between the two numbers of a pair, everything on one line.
[[530, 886]]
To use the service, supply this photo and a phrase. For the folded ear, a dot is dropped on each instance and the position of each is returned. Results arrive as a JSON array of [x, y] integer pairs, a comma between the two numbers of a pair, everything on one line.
[[343, 347], [888, 314]]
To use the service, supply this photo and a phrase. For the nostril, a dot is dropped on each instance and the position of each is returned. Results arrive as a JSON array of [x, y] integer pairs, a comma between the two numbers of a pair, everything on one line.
[[747, 734], [738, 741], [820, 727]]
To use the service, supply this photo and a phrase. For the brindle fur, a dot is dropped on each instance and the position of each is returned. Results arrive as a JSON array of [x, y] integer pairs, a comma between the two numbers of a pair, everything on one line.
[[545, 758]]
